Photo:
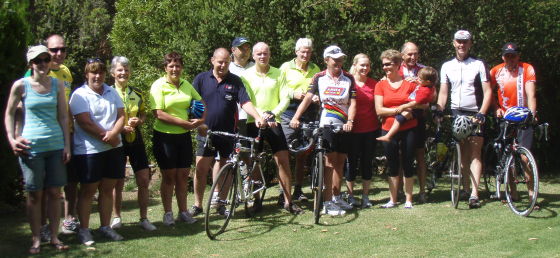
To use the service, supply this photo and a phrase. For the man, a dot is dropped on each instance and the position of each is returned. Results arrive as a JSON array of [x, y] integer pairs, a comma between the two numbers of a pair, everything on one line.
[[270, 98], [222, 91], [515, 84], [297, 74], [410, 66], [466, 79], [241, 53]]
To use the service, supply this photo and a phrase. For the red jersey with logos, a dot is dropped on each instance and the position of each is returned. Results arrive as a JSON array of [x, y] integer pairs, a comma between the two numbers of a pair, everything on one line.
[[511, 87]]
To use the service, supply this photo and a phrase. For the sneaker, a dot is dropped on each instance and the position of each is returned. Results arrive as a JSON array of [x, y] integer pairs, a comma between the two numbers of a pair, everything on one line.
[[222, 210], [84, 235], [214, 201], [422, 198], [45, 233], [408, 205], [195, 210], [474, 202], [299, 196], [341, 203], [168, 219], [332, 209], [388, 205], [70, 226], [110, 233], [365, 202], [116, 223], [147, 225], [352, 201], [293, 209], [185, 216]]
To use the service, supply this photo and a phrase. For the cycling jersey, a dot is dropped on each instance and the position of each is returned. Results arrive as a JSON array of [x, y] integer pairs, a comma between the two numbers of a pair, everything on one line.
[[511, 85], [464, 79], [335, 95], [267, 92], [297, 80], [133, 104]]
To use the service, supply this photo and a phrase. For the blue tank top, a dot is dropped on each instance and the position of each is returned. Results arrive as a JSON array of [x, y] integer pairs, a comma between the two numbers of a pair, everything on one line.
[[41, 125]]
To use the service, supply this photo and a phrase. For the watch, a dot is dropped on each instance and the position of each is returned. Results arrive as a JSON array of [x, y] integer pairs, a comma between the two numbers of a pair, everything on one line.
[[351, 120]]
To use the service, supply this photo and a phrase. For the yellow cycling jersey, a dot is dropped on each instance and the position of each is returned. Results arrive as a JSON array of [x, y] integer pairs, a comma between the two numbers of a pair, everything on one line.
[[133, 106]]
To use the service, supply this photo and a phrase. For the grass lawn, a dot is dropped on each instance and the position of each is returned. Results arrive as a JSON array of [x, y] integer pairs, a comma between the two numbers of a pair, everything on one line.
[[433, 229]]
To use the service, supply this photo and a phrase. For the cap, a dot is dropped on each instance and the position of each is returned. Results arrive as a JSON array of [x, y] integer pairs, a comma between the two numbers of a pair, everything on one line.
[[239, 41], [35, 51], [510, 48], [333, 51], [462, 35]]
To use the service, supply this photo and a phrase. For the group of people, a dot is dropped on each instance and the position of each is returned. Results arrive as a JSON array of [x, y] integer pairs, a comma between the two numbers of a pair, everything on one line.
[[63, 139]]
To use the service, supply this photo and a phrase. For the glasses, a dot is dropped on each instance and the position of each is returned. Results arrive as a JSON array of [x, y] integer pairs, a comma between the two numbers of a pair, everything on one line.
[[387, 64], [56, 49], [38, 61], [94, 60]]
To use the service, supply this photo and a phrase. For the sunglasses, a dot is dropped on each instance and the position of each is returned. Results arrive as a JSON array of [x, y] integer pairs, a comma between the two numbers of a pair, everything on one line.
[[94, 60], [387, 64], [56, 49], [38, 61]]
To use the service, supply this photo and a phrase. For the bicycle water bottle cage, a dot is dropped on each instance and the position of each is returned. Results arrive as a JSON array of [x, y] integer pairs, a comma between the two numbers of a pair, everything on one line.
[[518, 115]]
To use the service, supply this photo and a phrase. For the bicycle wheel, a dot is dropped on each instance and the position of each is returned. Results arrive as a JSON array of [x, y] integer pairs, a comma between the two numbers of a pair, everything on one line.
[[455, 175], [253, 202], [317, 185], [220, 210], [521, 182]]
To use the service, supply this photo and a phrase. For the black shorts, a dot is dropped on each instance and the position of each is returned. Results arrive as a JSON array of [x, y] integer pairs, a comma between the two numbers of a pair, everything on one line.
[[71, 173], [172, 150], [136, 155], [337, 142], [274, 136], [221, 145], [91, 168], [457, 112]]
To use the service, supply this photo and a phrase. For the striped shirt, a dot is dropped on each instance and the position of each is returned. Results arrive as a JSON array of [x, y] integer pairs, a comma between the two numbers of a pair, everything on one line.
[[41, 125]]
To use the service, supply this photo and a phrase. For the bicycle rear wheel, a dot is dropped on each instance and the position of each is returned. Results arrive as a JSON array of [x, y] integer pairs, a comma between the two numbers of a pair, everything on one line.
[[317, 185], [221, 209], [521, 182], [455, 175]]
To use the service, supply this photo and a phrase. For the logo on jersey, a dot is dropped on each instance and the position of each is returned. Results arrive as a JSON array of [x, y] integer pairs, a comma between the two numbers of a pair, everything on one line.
[[228, 87], [334, 91]]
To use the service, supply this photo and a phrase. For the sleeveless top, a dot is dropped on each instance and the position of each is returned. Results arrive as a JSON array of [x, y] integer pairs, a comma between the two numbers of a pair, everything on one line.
[[41, 125]]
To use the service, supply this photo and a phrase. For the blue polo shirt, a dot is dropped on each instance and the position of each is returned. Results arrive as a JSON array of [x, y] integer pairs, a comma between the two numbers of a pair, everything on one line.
[[221, 99]]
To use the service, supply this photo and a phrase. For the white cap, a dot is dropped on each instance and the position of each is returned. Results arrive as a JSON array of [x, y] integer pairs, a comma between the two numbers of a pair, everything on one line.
[[462, 35], [35, 51], [333, 51]]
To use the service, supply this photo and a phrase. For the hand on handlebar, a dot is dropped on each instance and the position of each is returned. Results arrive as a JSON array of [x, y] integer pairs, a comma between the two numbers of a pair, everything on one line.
[[294, 123]]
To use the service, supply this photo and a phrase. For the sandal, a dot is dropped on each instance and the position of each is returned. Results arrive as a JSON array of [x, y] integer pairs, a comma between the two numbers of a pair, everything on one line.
[[293, 208], [35, 250], [60, 246]]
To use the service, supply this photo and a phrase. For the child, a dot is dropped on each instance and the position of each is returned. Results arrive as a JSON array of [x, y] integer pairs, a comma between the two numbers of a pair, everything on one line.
[[427, 76]]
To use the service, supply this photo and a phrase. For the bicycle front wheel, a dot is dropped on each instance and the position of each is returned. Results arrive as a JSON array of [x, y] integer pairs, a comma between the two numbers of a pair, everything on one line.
[[222, 201], [317, 185], [521, 182], [455, 175]]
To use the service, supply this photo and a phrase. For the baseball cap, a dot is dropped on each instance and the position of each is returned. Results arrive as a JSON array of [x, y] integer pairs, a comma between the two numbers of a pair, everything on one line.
[[34, 51], [238, 41], [510, 48], [333, 51], [462, 35]]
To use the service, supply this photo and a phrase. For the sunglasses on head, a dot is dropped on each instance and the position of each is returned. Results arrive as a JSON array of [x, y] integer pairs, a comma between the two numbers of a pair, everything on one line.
[[56, 49], [41, 60], [94, 60]]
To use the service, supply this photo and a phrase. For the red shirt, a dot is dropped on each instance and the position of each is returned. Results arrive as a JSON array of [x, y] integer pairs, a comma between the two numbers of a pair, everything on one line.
[[366, 117], [393, 98], [507, 84], [422, 94]]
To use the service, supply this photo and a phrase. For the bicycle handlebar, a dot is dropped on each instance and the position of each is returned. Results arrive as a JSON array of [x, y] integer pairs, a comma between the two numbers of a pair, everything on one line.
[[312, 130]]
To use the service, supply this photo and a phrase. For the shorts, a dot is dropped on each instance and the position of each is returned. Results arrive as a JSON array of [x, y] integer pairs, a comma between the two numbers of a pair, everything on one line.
[[476, 132], [222, 146], [137, 157], [274, 136], [172, 150], [91, 168], [43, 170], [286, 117], [71, 174], [337, 142]]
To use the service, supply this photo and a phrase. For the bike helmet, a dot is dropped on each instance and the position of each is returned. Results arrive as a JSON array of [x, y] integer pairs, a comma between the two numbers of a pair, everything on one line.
[[462, 127], [196, 109], [518, 115]]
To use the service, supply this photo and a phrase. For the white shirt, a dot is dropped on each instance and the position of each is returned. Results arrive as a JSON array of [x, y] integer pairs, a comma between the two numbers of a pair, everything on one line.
[[239, 71], [464, 79]]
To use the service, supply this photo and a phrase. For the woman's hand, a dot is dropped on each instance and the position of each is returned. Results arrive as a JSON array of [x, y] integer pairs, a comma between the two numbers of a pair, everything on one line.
[[128, 129], [134, 122], [20, 146], [66, 155], [348, 126]]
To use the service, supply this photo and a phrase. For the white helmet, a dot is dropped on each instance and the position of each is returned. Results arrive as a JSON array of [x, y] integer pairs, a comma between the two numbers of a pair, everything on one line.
[[462, 127], [518, 115]]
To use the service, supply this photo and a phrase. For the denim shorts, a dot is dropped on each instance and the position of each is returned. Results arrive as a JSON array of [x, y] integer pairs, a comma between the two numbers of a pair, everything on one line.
[[43, 170]]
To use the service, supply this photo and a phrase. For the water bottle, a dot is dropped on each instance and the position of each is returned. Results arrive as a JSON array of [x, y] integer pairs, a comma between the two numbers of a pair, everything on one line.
[[441, 150], [243, 169]]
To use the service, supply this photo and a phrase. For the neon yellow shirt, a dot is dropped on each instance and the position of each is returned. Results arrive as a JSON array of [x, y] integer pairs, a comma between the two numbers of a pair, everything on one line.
[[296, 79], [174, 101], [133, 104], [267, 92]]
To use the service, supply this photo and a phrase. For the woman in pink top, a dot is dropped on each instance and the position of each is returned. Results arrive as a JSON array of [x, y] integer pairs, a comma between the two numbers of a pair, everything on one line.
[[364, 132]]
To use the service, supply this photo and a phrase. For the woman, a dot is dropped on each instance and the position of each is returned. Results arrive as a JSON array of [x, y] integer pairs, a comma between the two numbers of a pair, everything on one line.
[[335, 89], [44, 145], [98, 121], [170, 98], [389, 95], [133, 145], [364, 131]]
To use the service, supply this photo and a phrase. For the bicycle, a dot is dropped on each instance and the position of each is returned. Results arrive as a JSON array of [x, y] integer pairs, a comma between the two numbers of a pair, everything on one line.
[[515, 165], [235, 183], [313, 141]]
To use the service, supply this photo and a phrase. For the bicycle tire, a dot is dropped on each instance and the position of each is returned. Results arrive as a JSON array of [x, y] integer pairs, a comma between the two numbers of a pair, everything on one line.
[[224, 183], [455, 175], [515, 176], [318, 185]]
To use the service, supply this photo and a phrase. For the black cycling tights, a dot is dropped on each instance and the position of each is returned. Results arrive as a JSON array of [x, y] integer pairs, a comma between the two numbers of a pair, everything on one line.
[[403, 142]]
